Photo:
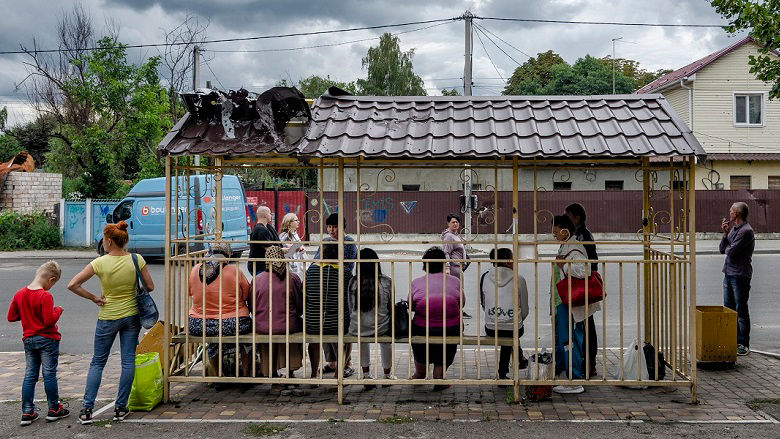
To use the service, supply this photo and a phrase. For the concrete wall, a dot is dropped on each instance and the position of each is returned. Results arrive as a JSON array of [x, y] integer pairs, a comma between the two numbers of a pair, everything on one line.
[[27, 192]]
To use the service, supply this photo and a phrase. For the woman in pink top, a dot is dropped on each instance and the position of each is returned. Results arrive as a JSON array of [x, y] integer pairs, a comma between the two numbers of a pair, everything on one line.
[[436, 301], [278, 307], [208, 313]]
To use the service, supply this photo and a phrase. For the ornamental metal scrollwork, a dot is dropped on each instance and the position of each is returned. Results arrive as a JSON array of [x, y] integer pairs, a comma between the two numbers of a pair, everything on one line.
[[389, 176]]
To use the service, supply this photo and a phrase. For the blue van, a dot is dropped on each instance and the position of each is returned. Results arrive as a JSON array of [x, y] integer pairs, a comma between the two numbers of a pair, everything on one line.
[[144, 211]]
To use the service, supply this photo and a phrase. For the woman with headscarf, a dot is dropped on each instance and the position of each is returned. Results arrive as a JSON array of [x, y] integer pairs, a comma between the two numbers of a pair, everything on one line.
[[278, 311], [209, 312]]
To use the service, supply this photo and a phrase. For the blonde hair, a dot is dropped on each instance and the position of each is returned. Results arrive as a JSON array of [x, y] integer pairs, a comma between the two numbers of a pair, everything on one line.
[[286, 221], [48, 270]]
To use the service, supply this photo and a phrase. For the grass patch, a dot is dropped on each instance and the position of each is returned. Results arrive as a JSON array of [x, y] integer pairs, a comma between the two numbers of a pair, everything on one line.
[[334, 420], [509, 396], [14, 402], [264, 429], [102, 422], [757, 404], [396, 420]]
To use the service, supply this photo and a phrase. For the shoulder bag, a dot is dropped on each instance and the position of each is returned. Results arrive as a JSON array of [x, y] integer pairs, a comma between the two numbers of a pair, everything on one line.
[[147, 309]]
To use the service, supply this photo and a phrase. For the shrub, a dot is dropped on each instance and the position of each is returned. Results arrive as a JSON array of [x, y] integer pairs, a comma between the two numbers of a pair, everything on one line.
[[28, 231]]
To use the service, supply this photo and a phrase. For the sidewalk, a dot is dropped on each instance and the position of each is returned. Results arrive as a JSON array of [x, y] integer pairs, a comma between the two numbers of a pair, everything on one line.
[[477, 250], [726, 396]]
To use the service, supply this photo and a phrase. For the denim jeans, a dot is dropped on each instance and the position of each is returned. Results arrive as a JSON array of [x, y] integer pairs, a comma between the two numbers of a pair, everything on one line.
[[736, 291], [562, 346], [128, 329], [40, 351]]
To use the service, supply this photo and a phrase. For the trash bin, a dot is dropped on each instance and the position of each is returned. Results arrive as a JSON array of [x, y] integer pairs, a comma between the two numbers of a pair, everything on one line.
[[716, 332]]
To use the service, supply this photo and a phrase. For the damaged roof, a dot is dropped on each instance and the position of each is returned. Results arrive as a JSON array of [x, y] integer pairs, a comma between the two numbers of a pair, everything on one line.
[[490, 127], [341, 125]]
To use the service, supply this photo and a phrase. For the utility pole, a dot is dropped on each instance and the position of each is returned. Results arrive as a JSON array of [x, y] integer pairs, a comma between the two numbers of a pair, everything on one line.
[[467, 177], [196, 84], [613, 62]]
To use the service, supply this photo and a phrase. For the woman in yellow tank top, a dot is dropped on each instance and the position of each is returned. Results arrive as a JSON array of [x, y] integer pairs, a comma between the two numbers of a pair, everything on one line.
[[117, 314]]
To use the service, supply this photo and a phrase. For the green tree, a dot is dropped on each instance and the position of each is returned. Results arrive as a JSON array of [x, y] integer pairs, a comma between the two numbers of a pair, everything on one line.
[[632, 69], [762, 20], [450, 92], [314, 86], [531, 77], [587, 76], [390, 71], [34, 136], [109, 113]]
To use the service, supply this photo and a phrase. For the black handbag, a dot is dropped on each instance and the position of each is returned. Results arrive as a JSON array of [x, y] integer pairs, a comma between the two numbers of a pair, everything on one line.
[[401, 320], [147, 309]]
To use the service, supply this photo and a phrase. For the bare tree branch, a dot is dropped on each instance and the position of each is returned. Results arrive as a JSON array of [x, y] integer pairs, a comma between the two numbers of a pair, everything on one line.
[[177, 60]]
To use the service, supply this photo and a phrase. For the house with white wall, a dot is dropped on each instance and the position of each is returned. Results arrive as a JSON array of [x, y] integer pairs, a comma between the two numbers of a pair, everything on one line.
[[731, 115]]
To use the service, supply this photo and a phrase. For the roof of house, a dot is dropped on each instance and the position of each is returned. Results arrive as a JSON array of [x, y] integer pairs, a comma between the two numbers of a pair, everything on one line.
[[493, 127], [693, 67]]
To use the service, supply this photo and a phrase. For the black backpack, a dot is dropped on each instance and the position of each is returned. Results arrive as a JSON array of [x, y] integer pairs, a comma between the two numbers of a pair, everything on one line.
[[650, 351]]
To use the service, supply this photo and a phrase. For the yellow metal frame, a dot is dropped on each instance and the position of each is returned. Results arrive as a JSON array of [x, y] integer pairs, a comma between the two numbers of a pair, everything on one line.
[[665, 274]]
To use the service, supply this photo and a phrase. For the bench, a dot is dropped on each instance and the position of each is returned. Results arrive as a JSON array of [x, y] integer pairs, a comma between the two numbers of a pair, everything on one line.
[[297, 337]]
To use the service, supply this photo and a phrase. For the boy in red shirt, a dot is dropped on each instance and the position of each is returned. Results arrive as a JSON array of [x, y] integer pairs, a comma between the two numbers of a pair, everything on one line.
[[34, 306]]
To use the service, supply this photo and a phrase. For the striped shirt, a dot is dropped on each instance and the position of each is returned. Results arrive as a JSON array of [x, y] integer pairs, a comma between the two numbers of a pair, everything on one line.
[[328, 316]]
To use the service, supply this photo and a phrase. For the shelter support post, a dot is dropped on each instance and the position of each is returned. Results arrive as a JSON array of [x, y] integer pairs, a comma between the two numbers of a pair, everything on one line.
[[167, 285], [341, 353], [516, 354], [646, 230], [692, 280]]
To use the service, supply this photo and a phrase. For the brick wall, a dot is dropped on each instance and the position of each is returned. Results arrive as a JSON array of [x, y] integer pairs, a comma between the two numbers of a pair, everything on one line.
[[27, 192]]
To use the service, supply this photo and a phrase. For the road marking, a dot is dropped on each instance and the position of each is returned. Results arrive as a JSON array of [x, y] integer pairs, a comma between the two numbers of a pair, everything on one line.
[[103, 409], [364, 421]]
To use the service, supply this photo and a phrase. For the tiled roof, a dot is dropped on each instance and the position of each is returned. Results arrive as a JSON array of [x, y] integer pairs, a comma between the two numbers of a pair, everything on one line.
[[478, 126], [756, 157], [691, 68]]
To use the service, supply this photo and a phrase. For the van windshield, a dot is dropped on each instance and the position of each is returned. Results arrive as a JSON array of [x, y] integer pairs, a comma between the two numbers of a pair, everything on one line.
[[123, 211]]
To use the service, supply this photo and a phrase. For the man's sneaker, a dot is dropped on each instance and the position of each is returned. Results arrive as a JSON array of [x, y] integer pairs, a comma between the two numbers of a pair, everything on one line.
[[120, 413], [85, 416], [742, 350], [466, 315], [28, 418], [57, 413], [568, 389]]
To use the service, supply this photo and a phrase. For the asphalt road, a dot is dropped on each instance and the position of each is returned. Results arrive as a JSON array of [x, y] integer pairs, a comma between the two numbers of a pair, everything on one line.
[[78, 321]]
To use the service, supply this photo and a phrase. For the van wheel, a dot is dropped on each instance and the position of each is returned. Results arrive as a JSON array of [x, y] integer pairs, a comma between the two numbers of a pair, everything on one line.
[[100, 250]]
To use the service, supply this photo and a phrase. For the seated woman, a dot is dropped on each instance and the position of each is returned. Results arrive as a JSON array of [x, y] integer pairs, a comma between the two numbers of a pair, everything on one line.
[[374, 292], [570, 249], [436, 302], [206, 281], [278, 310]]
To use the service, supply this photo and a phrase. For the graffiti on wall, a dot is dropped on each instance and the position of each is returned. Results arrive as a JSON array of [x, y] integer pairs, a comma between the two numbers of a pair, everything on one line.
[[408, 206]]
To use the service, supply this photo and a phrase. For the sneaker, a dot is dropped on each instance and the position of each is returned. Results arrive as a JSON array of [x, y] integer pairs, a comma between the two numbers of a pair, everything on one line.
[[29, 418], [568, 389], [742, 350], [348, 372], [120, 413], [466, 315], [388, 376], [502, 376], [85, 416], [57, 413]]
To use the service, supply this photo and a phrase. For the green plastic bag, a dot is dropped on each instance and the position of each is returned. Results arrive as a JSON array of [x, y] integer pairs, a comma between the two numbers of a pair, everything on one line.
[[147, 390]]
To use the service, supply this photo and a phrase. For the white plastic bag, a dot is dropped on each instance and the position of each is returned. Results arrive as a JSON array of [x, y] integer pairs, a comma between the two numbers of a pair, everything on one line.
[[633, 362]]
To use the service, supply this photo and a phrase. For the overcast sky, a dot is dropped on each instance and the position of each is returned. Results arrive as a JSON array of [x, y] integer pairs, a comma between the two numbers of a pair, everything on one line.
[[438, 50]]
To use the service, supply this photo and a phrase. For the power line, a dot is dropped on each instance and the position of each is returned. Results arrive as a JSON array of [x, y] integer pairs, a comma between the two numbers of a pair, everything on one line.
[[261, 37], [214, 74], [499, 47], [317, 46], [610, 23], [505, 42], [477, 31]]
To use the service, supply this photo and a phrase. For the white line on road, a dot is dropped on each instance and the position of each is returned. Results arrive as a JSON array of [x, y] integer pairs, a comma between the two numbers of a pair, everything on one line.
[[103, 409], [363, 421]]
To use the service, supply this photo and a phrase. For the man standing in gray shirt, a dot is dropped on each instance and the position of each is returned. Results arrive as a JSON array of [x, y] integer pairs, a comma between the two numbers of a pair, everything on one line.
[[737, 244]]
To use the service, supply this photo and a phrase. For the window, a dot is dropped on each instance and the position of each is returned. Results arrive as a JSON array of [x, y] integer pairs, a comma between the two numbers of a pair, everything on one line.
[[740, 182], [613, 185], [410, 187], [561, 185], [774, 182], [123, 211], [748, 109]]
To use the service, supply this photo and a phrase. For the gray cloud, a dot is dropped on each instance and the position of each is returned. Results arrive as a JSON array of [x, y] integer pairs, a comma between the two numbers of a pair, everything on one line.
[[438, 51]]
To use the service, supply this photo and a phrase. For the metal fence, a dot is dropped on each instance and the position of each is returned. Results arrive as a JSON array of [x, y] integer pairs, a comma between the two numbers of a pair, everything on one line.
[[82, 221], [650, 298]]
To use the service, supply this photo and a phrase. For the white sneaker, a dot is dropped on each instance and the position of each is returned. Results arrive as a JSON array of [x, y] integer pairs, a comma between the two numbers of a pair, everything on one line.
[[568, 389]]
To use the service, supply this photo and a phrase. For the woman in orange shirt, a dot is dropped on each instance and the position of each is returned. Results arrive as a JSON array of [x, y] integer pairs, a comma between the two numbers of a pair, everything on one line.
[[208, 281]]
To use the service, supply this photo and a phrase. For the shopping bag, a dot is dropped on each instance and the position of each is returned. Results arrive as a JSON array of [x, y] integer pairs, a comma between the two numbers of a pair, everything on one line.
[[633, 365], [147, 390], [541, 368]]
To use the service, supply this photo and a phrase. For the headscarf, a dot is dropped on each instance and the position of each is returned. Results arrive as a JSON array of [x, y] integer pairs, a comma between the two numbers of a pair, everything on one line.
[[211, 268], [278, 266]]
